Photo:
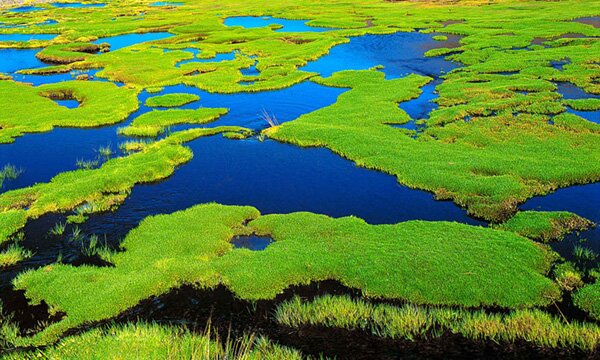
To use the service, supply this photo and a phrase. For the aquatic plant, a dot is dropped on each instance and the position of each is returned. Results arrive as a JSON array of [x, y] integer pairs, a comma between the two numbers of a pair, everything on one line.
[[58, 229], [316, 247], [9, 172], [153, 123], [584, 254], [105, 152], [13, 254], [87, 164], [588, 299], [410, 322]]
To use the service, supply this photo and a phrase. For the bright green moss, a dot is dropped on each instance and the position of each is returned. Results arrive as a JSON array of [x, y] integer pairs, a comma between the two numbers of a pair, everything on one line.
[[409, 322], [102, 103], [157, 342], [545, 226], [588, 299], [171, 100], [434, 263]]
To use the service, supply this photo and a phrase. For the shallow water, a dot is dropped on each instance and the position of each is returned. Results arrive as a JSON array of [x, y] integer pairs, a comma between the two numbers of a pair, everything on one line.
[[263, 21], [26, 37], [166, 3], [121, 41], [77, 5], [24, 9], [400, 54]]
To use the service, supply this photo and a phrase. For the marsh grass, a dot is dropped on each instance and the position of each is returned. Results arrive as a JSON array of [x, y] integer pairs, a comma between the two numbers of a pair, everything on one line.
[[87, 164], [584, 254], [13, 254], [105, 152], [411, 322], [153, 341], [9, 172], [58, 229]]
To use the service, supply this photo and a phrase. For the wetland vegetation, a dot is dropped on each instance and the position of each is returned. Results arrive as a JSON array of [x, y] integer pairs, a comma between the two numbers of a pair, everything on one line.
[[283, 180]]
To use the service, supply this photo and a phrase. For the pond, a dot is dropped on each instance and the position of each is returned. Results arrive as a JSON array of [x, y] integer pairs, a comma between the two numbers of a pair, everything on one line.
[[120, 41], [26, 37]]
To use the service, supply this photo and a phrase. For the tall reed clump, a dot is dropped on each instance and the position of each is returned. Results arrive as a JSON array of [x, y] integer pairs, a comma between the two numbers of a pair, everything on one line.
[[410, 322]]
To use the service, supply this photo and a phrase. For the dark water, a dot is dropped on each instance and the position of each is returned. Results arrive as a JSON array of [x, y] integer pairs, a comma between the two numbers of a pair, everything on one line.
[[253, 242], [263, 21]]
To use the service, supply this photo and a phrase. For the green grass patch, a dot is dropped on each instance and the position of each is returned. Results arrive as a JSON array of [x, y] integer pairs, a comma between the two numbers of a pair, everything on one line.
[[411, 322], [102, 103], [588, 299], [171, 100], [545, 226], [434, 263], [12, 255], [153, 123]]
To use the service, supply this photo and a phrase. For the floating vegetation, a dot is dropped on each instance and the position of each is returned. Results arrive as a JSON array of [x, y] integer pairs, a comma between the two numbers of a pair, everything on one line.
[[58, 229]]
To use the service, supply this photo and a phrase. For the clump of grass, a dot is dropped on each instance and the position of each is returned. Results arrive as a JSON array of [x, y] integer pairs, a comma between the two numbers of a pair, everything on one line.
[[584, 254], [87, 164], [96, 248], [105, 152], [545, 225], [58, 229], [410, 322], [9, 172], [13, 254]]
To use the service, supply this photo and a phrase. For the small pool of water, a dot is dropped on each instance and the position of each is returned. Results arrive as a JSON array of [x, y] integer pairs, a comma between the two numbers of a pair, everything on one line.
[[252, 242], [24, 9], [77, 5], [166, 3], [26, 37], [69, 104], [400, 54], [263, 21], [570, 91], [120, 41]]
